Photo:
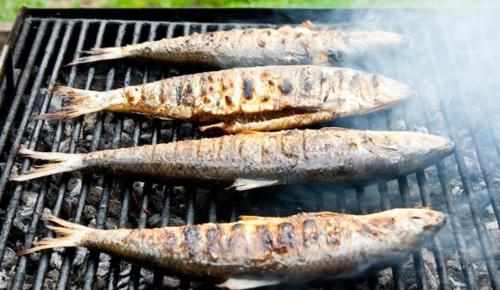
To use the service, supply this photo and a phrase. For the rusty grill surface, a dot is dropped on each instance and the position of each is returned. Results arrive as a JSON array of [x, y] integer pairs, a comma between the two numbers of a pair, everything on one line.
[[451, 101]]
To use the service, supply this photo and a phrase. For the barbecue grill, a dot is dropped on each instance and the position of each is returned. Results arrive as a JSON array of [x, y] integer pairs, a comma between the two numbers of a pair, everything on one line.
[[451, 65]]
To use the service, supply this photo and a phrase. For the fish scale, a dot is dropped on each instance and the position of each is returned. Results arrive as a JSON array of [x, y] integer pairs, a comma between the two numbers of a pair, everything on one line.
[[265, 98], [262, 250], [287, 45], [258, 159]]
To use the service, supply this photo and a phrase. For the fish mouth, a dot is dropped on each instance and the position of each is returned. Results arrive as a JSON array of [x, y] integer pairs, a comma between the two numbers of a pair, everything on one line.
[[435, 224]]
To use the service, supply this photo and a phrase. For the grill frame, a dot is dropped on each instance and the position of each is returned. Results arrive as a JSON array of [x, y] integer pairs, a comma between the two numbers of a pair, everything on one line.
[[16, 86]]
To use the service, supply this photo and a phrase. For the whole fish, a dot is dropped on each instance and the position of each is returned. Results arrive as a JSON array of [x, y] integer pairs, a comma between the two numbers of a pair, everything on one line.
[[261, 159], [261, 251], [303, 44], [247, 99]]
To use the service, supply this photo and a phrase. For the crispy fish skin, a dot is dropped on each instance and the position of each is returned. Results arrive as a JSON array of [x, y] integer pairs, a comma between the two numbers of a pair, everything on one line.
[[325, 155], [272, 249], [235, 96], [304, 44]]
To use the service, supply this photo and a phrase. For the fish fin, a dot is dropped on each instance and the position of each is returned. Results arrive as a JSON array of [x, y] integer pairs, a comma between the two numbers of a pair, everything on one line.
[[246, 183], [251, 218], [211, 127], [99, 54], [71, 236], [308, 24], [82, 102], [321, 59], [241, 283], [64, 162]]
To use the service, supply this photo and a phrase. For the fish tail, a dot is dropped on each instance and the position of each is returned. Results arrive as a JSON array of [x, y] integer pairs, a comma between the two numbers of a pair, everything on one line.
[[99, 54], [81, 102], [71, 235], [64, 162]]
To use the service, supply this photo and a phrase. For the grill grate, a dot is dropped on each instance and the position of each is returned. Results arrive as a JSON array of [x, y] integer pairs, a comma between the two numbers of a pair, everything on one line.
[[455, 104]]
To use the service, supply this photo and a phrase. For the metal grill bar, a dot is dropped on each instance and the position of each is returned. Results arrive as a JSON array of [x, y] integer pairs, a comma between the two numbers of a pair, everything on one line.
[[465, 177], [19, 46], [69, 254], [44, 259], [18, 279], [465, 173], [391, 194], [15, 198]]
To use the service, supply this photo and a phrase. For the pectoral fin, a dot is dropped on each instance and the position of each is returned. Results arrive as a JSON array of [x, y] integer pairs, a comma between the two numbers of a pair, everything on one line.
[[237, 283], [246, 184]]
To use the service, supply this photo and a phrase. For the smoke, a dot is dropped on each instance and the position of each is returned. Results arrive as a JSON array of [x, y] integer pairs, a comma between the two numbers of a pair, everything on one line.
[[451, 61]]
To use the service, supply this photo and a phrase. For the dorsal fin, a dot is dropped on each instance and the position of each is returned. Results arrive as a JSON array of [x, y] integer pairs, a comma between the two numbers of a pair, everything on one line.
[[308, 24], [251, 218]]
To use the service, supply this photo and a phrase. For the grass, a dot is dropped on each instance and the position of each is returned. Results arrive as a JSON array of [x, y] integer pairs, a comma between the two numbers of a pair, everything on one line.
[[10, 8]]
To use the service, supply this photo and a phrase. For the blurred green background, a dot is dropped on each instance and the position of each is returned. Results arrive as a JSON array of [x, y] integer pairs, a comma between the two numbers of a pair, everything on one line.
[[10, 8]]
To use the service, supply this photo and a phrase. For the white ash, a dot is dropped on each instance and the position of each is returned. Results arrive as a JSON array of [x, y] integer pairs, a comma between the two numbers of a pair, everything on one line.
[[74, 186], [89, 212], [22, 219], [7, 267], [114, 206]]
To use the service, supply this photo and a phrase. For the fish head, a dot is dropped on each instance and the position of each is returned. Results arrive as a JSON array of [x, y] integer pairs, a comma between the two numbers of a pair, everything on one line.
[[422, 150], [386, 237], [412, 150], [398, 232], [414, 226], [356, 92]]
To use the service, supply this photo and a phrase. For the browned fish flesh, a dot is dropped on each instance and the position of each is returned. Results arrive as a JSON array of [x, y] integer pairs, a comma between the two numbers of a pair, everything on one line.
[[303, 44], [259, 251], [247, 99], [260, 159]]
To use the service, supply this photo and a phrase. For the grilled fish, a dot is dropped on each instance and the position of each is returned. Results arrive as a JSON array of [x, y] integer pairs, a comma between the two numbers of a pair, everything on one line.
[[259, 159], [304, 44], [247, 99], [260, 251]]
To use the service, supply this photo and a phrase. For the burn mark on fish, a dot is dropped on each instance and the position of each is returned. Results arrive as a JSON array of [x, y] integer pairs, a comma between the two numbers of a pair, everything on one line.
[[388, 223], [213, 241], [237, 242], [247, 88], [229, 100], [307, 85], [178, 94], [265, 98], [375, 82], [261, 43], [210, 78], [191, 239], [270, 82], [147, 49], [355, 81], [286, 86], [189, 89], [286, 235], [188, 100], [268, 32], [340, 78], [265, 237], [310, 232]]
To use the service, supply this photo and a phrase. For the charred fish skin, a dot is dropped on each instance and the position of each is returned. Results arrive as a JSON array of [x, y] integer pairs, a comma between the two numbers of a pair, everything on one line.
[[265, 249], [250, 160], [304, 44], [244, 99]]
